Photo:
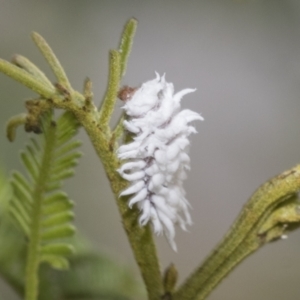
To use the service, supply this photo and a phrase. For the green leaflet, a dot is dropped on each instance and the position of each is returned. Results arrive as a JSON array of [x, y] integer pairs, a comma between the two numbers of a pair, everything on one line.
[[126, 43], [91, 275], [42, 211]]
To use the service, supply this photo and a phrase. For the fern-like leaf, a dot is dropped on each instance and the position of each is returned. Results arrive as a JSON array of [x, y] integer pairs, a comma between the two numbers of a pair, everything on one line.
[[42, 211]]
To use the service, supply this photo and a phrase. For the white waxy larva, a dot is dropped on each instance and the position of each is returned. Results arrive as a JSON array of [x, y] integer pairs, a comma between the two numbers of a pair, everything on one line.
[[141, 195], [172, 151], [134, 176], [157, 224], [133, 165], [157, 159], [156, 182], [144, 218], [131, 127], [137, 186], [173, 167], [160, 156], [153, 169]]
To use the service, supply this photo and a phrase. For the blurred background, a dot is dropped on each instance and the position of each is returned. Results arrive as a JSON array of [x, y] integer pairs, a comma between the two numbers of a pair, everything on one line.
[[244, 59]]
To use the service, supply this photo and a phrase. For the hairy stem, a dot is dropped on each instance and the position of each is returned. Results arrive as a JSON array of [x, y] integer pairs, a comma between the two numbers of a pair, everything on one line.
[[140, 238], [64, 97], [244, 237]]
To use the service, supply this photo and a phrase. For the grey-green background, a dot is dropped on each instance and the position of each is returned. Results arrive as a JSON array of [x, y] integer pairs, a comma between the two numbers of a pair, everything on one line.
[[244, 59]]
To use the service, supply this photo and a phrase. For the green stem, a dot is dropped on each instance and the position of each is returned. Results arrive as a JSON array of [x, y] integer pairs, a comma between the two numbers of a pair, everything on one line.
[[243, 238], [140, 238], [250, 244], [33, 255], [117, 133]]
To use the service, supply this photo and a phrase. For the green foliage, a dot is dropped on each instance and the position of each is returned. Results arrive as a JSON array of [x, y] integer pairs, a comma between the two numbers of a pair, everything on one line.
[[38, 204], [12, 243], [126, 43], [92, 276], [97, 277], [96, 123], [44, 213]]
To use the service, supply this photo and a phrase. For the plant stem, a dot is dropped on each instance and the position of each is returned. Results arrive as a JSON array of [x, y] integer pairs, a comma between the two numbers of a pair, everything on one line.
[[140, 238], [64, 97], [243, 238], [33, 255]]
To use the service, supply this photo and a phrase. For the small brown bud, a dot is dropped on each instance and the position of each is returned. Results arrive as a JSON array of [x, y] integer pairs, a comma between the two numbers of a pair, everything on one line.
[[170, 279], [126, 93]]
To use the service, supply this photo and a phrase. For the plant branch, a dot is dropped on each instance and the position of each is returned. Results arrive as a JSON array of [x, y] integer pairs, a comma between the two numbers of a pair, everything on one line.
[[140, 238], [64, 97], [264, 218]]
